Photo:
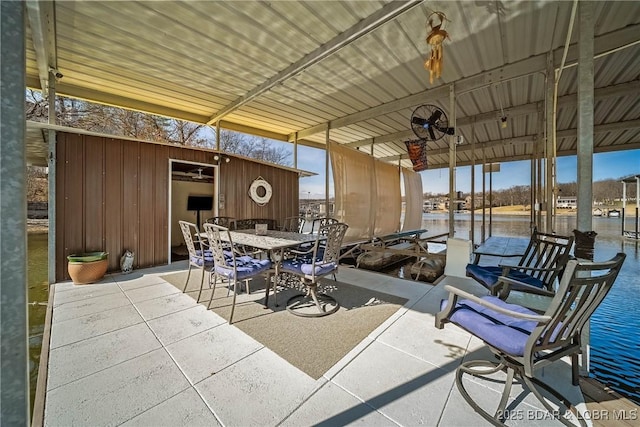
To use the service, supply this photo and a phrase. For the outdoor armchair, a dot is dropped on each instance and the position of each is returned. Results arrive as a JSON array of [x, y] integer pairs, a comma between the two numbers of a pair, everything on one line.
[[318, 223], [311, 265], [524, 341], [229, 266], [543, 262], [248, 224], [294, 224], [223, 221]]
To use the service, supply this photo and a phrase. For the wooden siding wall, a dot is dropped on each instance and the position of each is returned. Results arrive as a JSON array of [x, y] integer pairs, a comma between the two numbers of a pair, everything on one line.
[[112, 195]]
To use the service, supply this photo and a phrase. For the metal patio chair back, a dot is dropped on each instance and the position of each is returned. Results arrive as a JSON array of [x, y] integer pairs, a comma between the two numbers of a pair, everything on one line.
[[311, 265], [294, 224], [543, 262], [223, 221], [318, 223], [199, 255], [229, 266]]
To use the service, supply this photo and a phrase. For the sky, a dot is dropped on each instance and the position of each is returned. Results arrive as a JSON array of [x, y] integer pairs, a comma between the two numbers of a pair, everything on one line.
[[612, 165]]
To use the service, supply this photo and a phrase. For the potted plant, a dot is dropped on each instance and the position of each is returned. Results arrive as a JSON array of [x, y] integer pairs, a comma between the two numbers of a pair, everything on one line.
[[87, 267]]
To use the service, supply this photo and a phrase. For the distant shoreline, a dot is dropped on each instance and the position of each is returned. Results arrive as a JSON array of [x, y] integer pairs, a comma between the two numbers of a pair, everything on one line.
[[37, 225], [519, 210], [42, 225]]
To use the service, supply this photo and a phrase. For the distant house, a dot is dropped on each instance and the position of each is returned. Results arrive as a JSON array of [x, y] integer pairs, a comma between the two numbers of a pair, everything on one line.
[[569, 202], [429, 205]]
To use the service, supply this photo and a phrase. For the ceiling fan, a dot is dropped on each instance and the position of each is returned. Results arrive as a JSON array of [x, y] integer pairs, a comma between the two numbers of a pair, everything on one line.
[[430, 122], [199, 175]]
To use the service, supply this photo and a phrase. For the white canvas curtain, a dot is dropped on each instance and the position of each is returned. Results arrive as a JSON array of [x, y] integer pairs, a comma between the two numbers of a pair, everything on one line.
[[413, 200], [388, 199], [367, 193], [354, 191]]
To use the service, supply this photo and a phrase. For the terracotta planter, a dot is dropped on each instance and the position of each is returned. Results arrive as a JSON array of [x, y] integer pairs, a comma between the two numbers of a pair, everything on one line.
[[87, 268]]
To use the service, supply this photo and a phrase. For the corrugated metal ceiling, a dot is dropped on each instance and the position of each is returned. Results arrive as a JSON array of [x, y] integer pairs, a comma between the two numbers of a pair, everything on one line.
[[356, 66]]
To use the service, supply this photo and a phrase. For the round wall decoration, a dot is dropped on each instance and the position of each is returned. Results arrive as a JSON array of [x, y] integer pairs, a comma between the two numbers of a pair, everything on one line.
[[260, 191]]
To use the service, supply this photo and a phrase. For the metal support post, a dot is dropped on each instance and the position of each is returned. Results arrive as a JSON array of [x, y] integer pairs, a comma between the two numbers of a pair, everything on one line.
[[452, 158], [624, 207], [218, 135], [51, 181], [585, 139], [549, 154], [491, 201], [14, 387], [326, 170], [295, 151], [484, 191], [473, 184]]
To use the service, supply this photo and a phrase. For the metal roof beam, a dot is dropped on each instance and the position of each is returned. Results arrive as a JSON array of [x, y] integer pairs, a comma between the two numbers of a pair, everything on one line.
[[517, 110], [90, 95], [405, 134], [607, 127], [563, 153], [536, 64], [390, 107], [467, 147], [387, 13], [42, 21], [566, 133]]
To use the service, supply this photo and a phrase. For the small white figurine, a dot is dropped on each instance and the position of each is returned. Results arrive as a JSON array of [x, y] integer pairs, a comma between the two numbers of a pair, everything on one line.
[[126, 262]]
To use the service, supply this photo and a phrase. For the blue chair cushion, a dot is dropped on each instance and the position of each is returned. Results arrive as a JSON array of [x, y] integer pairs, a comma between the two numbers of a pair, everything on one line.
[[244, 258], [197, 260], [488, 275], [208, 257], [207, 253], [246, 267], [304, 266], [499, 330]]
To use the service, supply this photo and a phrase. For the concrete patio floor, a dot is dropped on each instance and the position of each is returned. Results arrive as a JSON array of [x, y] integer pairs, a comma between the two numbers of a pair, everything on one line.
[[134, 350]]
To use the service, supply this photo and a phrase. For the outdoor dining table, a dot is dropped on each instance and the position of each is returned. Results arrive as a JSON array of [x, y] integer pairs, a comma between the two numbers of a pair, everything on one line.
[[275, 242], [271, 240]]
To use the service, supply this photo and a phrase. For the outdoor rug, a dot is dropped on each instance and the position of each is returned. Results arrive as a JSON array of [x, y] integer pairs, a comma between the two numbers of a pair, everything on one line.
[[313, 345]]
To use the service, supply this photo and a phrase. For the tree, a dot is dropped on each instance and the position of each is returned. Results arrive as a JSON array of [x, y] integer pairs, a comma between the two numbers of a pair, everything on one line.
[[36, 108], [254, 147], [118, 121], [264, 150], [37, 190], [186, 133]]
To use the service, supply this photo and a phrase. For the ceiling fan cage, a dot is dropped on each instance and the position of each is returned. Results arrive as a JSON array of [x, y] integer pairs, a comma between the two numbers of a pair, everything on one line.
[[429, 122]]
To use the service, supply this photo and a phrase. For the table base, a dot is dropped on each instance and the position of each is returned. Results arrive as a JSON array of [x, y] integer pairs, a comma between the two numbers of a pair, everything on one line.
[[312, 304]]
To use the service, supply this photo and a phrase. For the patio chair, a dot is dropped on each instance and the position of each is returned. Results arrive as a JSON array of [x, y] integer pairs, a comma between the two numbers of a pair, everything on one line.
[[294, 224], [542, 263], [524, 341], [318, 223], [248, 224], [229, 266], [311, 265], [199, 256], [223, 221]]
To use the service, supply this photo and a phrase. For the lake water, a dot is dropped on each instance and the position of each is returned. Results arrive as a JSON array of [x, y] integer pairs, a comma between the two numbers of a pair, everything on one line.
[[615, 343], [37, 299]]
